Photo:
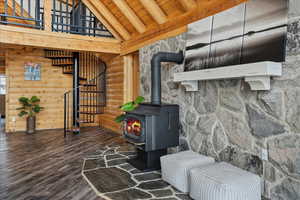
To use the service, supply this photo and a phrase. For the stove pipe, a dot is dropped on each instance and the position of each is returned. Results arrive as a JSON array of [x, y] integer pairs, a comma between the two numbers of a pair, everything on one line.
[[156, 72]]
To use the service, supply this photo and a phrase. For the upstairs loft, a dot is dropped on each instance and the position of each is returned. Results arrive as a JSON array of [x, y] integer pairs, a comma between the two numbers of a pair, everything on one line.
[[67, 16], [54, 24], [104, 26]]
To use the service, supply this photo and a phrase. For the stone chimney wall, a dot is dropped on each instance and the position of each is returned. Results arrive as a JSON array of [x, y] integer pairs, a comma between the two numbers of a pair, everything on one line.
[[228, 121]]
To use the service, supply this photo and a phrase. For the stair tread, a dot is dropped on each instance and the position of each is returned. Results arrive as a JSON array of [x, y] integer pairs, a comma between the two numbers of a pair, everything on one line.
[[91, 91], [100, 105], [86, 121], [86, 84], [63, 64], [91, 113], [58, 57]]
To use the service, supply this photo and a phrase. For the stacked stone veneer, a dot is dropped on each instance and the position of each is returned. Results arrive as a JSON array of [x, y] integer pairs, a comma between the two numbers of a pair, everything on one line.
[[228, 121]]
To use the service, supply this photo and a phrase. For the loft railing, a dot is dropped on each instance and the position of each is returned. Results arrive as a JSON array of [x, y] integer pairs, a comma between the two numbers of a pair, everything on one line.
[[72, 16], [68, 16], [26, 13]]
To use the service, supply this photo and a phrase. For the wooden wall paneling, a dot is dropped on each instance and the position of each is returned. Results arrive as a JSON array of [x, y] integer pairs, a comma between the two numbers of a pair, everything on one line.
[[47, 15], [131, 16], [114, 87], [155, 11], [50, 89], [2, 69], [2, 61]]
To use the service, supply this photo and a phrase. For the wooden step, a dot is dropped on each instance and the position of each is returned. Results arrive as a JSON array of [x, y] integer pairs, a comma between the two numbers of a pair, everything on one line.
[[67, 72], [99, 105], [62, 64], [90, 113], [85, 121], [88, 84], [91, 91], [58, 56]]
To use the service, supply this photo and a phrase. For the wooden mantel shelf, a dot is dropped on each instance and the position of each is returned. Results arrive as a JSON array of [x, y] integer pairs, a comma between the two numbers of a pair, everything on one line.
[[258, 75]]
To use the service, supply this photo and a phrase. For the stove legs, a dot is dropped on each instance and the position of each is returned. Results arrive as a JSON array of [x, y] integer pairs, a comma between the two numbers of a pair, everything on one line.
[[147, 161]]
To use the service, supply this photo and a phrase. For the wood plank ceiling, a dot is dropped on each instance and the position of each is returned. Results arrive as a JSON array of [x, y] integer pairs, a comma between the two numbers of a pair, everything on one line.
[[139, 22]]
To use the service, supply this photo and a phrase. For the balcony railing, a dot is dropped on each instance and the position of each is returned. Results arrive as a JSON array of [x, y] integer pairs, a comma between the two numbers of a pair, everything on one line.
[[68, 16], [72, 16], [26, 13]]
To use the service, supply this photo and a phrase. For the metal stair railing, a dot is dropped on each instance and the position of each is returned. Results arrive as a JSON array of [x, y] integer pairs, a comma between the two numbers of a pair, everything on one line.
[[92, 100]]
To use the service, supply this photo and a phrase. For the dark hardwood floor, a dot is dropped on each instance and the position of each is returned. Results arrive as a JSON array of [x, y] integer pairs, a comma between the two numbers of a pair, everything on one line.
[[47, 166]]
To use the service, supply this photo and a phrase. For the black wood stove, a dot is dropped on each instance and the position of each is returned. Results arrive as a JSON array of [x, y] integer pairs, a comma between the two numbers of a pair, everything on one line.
[[153, 127]]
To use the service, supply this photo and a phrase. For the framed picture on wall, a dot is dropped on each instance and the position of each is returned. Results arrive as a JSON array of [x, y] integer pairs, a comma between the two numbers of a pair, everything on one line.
[[32, 72]]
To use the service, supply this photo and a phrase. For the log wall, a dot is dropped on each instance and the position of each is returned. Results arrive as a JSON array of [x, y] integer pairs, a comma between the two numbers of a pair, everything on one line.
[[50, 89], [114, 88]]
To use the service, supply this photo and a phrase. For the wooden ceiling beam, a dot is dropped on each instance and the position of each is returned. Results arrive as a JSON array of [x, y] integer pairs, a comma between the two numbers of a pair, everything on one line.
[[11, 35], [176, 26], [188, 4], [94, 10], [130, 15], [154, 10], [111, 19]]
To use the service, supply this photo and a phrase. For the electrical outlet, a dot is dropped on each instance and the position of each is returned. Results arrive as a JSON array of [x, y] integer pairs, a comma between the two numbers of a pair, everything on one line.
[[13, 119], [264, 154]]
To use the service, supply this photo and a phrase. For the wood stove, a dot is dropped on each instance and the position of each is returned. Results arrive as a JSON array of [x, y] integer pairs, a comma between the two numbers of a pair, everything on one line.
[[153, 127]]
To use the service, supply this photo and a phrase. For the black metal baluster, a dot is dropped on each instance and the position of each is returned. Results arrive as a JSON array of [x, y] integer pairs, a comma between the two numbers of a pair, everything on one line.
[[60, 16], [67, 16], [76, 90], [29, 8], [5, 7], [73, 16], [22, 8], [54, 16], [37, 13], [65, 114], [14, 7]]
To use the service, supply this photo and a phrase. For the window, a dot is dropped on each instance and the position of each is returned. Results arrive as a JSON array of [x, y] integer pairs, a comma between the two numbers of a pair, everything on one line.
[[2, 84]]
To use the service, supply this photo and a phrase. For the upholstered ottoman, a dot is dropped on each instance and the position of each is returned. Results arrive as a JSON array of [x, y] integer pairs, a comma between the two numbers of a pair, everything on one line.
[[223, 181], [175, 167]]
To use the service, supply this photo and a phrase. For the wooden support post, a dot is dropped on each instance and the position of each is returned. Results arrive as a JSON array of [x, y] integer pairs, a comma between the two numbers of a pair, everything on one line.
[[136, 75], [48, 15], [128, 78]]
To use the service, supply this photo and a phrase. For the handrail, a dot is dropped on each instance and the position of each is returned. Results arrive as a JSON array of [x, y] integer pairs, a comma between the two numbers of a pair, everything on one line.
[[92, 99], [89, 81]]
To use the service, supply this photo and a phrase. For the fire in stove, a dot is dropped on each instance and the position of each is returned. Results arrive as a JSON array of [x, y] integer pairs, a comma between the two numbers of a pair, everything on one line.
[[133, 127]]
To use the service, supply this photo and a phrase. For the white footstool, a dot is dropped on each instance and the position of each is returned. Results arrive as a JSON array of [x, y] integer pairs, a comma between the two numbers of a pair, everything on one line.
[[175, 167], [223, 181]]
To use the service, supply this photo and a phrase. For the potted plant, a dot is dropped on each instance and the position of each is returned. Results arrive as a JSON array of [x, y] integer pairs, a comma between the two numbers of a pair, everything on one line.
[[130, 106], [30, 107]]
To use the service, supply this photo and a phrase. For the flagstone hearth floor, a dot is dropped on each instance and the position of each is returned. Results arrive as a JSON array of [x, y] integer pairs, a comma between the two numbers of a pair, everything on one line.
[[111, 177]]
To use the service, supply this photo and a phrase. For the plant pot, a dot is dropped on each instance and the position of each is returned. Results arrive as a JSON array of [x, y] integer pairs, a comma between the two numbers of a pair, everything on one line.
[[30, 125]]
